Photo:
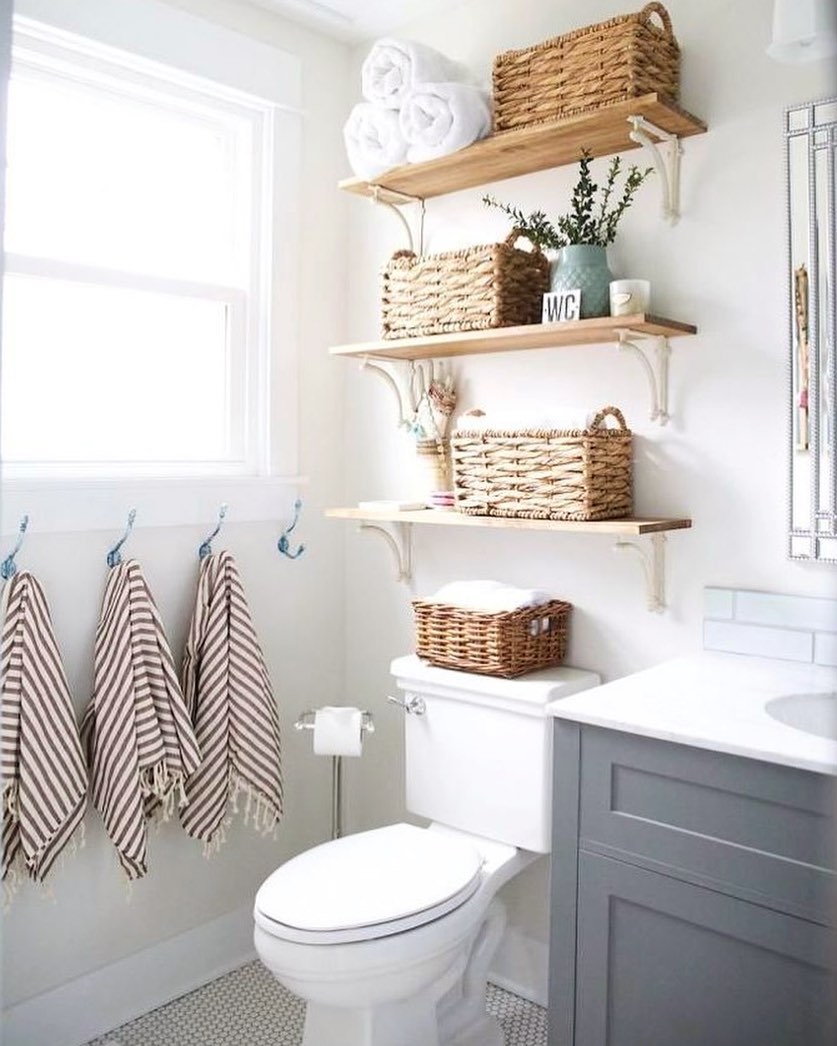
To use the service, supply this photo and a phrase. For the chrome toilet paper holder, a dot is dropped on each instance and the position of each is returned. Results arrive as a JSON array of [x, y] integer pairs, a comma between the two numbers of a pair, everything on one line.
[[367, 726]]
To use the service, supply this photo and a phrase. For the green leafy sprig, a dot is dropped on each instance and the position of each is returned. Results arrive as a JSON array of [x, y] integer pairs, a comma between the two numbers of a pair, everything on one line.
[[585, 223]]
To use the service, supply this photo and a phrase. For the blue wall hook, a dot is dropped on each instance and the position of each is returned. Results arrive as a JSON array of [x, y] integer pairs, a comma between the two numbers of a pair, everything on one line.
[[115, 556], [282, 544], [206, 545], [8, 568]]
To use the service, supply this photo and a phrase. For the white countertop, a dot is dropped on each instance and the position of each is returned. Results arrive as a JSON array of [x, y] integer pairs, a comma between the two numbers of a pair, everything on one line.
[[714, 701]]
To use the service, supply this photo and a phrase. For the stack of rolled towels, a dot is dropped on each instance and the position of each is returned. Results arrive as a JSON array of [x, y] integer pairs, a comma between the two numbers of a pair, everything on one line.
[[418, 105]]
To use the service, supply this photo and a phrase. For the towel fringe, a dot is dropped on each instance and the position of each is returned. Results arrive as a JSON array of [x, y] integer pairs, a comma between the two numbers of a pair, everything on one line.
[[8, 802], [260, 813], [165, 785]]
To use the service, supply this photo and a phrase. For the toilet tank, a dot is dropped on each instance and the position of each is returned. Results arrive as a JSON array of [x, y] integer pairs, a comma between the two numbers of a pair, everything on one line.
[[479, 758]]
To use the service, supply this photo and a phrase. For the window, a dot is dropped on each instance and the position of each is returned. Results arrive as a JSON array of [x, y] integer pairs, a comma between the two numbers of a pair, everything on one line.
[[135, 301]]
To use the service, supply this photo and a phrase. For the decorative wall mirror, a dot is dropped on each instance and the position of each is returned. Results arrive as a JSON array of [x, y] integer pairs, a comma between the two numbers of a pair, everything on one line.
[[810, 144]]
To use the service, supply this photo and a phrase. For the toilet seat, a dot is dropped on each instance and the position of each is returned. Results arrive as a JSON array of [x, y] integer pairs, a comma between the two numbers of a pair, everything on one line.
[[368, 885]]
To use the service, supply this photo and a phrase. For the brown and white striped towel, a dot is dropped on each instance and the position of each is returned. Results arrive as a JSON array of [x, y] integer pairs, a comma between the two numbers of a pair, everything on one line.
[[44, 779], [140, 742], [231, 702]]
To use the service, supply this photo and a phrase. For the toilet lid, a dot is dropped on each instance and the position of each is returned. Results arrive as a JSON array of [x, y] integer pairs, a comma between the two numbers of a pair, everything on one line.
[[369, 885]]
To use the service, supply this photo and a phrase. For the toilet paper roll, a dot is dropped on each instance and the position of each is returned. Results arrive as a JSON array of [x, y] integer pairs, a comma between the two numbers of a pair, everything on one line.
[[337, 730]]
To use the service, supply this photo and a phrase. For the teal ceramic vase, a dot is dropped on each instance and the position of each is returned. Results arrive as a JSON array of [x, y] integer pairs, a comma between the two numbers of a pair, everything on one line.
[[584, 265]]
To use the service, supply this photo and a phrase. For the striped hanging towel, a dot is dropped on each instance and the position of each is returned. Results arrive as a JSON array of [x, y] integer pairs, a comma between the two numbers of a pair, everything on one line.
[[44, 779], [140, 743], [231, 702]]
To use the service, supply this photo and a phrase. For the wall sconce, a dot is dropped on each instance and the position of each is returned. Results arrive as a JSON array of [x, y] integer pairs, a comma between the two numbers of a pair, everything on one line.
[[803, 30]]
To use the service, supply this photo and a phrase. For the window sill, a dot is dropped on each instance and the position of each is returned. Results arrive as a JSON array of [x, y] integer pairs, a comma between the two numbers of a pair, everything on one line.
[[66, 506]]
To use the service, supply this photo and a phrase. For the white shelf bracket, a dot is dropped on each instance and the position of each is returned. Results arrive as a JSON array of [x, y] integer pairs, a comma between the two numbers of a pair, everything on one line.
[[665, 155], [400, 541], [654, 567], [656, 372], [375, 197], [409, 381], [397, 376]]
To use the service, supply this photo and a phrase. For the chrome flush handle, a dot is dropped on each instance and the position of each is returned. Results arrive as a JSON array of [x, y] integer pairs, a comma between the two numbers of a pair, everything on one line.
[[412, 705]]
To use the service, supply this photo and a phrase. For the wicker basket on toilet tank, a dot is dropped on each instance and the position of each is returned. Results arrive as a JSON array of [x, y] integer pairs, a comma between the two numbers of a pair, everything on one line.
[[586, 69], [505, 643], [578, 474]]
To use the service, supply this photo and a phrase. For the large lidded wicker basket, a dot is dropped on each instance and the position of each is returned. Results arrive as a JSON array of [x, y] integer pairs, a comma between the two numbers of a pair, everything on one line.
[[496, 285], [577, 474], [586, 69], [506, 643]]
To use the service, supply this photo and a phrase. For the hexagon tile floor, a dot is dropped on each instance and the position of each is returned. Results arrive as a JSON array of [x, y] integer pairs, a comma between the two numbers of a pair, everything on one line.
[[249, 1008]]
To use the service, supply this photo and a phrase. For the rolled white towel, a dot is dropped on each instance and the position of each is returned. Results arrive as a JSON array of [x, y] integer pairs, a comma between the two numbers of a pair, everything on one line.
[[394, 67], [439, 118], [491, 596], [374, 141]]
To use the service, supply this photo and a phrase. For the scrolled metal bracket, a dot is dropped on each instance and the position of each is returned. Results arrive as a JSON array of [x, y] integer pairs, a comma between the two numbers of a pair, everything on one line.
[[400, 541], [375, 197], [397, 375], [665, 155], [654, 567], [656, 373]]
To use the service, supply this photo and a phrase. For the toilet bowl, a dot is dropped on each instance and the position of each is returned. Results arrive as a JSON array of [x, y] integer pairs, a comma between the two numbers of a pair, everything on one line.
[[378, 957], [388, 935]]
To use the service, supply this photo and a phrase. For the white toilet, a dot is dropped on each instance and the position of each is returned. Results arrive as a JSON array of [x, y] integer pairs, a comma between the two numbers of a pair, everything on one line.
[[388, 934]]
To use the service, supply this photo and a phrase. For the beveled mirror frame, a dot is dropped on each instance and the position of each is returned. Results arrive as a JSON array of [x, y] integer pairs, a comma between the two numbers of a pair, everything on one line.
[[810, 134]]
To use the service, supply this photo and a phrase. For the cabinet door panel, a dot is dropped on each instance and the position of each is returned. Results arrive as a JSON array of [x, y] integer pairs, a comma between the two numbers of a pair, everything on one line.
[[662, 962], [764, 832]]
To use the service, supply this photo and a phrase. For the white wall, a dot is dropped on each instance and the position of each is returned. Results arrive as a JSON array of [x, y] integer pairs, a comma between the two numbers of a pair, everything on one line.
[[721, 460], [297, 607]]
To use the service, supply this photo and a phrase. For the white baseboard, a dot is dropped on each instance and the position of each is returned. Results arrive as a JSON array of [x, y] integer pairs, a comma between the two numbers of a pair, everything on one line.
[[521, 965], [83, 1009]]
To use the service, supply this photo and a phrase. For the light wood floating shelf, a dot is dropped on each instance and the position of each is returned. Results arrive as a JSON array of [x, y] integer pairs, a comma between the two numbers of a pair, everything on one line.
[[600, 331], [511, 153], [631, 527]]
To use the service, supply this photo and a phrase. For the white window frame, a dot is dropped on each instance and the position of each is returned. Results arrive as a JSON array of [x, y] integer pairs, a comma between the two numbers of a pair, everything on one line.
[[190, 51]]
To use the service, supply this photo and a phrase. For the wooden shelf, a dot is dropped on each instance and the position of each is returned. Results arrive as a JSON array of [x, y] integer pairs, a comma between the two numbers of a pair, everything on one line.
[[529, 149], [632, 527], [599, 331]]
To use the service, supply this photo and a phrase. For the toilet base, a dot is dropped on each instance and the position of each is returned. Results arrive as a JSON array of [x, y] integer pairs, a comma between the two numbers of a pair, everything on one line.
[[406, 1023], [449, 1012], [485, 1032]]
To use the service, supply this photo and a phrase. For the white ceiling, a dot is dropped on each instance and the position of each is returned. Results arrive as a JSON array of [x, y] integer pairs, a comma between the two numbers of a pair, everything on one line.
[[354, 20]]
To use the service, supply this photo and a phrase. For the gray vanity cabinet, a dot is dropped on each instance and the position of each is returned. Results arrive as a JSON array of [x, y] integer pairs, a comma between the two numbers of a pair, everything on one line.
[[694, 897]]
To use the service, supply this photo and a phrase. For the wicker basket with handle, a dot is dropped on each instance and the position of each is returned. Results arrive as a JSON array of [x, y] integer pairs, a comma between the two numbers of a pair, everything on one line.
[[545, 473], [496, 285], [506, 643], [586, 69]]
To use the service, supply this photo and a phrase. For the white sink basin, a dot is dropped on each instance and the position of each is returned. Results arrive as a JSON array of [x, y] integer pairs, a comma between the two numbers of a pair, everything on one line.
[[813, 713]]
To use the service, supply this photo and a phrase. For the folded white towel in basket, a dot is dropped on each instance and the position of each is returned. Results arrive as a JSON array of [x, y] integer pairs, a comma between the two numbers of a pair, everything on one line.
[[374, 141], [439, 118], [491, 596], [393, 68]]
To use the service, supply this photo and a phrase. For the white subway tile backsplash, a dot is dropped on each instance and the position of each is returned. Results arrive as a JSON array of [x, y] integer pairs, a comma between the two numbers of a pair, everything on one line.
[[718, 603], [758, 641], [798, 612], [825, 648]]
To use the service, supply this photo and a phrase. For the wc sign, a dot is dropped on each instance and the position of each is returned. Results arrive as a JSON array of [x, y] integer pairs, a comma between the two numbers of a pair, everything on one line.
[[561, 305]]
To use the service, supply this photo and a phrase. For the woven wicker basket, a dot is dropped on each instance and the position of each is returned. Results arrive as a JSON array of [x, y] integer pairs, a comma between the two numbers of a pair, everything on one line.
[[497, 285], [545, 473], [586, 69], [508, 643]]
